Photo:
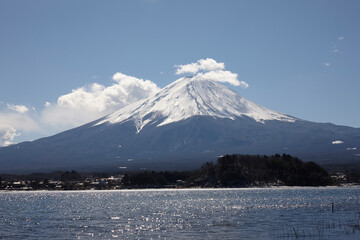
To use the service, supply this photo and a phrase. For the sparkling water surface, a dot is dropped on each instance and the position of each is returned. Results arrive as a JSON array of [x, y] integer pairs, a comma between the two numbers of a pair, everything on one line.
[[255, 213]]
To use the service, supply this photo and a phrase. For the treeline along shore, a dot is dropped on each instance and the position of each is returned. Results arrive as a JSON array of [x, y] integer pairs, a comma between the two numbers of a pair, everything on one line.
[[228, 171]]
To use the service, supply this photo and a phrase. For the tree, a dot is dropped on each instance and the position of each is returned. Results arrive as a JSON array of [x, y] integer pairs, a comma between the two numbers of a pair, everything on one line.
[[125, 180], [71, 176]]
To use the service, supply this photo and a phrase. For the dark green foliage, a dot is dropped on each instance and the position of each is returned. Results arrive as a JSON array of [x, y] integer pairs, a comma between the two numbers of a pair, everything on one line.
[[353, 175], [239, 170], [148, 178], [125, 181], [228, 171], [205, 176], [71, 176], [245, 170], [154, 179]]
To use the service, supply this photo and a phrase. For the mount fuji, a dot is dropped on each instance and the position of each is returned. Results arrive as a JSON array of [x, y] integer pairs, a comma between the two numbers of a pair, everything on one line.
[[185, 124]]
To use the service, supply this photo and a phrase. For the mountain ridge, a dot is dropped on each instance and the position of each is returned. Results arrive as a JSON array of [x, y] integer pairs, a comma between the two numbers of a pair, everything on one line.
[[171, 130], [192, 97]]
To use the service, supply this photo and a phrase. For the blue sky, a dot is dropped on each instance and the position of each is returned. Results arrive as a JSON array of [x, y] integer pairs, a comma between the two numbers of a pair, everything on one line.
[[301, 58]]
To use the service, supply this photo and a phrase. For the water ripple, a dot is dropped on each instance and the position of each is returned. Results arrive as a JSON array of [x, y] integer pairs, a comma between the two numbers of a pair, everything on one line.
[[277, 213]]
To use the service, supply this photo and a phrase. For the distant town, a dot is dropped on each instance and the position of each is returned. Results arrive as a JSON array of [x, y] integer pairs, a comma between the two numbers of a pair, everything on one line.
[[228, 171]]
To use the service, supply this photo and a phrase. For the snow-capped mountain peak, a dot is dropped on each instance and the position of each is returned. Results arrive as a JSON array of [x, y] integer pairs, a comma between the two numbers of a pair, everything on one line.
[[188, 97], [186, 141]]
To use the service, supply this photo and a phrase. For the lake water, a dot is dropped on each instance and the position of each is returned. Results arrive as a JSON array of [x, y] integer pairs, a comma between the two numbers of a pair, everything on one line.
[[268, 213]]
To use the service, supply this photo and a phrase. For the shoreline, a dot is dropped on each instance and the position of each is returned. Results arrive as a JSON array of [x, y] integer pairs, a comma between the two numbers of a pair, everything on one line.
[[188, 189]]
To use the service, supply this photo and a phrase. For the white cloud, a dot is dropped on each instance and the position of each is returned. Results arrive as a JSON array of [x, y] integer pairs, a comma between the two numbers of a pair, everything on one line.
[[341, 38], [81, 106], [350, 149], [211, 70], [17, 108], [244, 84], [19, 121], [88, 103], [7, 135], [326, 64], [221, 76], [207, 64], [334, 49], [337, 142], [132, 88], [13, 123]]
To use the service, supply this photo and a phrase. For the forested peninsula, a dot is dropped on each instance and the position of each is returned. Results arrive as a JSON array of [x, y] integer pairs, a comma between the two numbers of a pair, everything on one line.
[[240, 171], [228, 171]]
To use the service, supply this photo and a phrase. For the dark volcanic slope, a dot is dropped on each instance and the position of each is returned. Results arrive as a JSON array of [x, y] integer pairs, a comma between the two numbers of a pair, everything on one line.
[[185, 124], [183, 144]]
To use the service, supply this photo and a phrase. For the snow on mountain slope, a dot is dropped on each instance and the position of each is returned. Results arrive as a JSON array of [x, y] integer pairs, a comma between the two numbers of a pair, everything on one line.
[[207, 120], [188, 97]]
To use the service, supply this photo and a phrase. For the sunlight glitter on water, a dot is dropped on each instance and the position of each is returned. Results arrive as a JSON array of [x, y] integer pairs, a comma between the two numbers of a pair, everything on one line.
[[196, 213]]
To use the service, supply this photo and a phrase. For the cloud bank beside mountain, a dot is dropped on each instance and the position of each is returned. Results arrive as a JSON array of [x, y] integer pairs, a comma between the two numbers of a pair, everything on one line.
[[88, 103]]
